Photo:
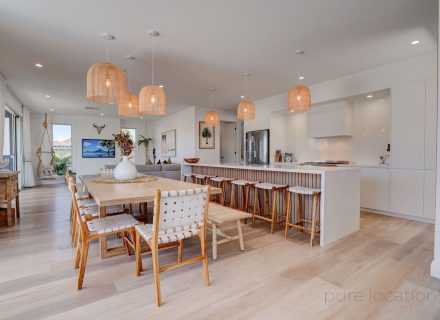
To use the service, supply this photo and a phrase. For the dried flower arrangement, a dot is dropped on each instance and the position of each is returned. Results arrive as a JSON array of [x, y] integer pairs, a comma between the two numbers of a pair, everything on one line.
[[124, 142]]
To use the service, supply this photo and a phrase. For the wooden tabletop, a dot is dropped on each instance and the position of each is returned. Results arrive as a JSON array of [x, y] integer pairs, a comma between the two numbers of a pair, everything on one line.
[[122, 193]]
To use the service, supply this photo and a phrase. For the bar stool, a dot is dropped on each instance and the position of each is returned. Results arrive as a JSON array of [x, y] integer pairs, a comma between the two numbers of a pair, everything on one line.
[[220, 182], [188, 177], [267, 214], [201, 179], [245, 187], [302, 223]]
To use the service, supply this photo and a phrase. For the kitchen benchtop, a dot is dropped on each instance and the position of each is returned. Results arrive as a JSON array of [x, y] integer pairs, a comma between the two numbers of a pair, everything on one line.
[[283, 167]]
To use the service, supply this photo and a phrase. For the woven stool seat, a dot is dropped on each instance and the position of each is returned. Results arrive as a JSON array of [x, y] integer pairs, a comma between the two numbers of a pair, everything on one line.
[[270, 186], [202, 176], [243, 182], [86, 203], [220, 179], [114, 223], [82, 195], [304, 190]]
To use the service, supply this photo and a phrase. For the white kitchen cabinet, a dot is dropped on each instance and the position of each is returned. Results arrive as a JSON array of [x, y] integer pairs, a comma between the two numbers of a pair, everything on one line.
[[406, 191], [330, 120], [431, 124], [375, 188], [408, 125], [429, 194]]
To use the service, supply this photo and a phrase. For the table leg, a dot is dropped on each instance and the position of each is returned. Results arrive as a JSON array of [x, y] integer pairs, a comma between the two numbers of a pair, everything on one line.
[[17, 206], [214, 241], [105, 251], [9, 214]]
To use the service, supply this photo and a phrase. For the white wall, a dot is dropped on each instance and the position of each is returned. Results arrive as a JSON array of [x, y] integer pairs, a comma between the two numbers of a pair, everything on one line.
[[183, 122], [370, 135], [82, 128]]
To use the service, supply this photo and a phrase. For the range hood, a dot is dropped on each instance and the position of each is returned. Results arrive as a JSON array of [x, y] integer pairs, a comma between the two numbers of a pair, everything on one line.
[[330, 120]]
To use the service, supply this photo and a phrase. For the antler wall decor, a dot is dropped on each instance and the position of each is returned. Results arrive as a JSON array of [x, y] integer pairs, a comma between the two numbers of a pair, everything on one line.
[[99, 128]]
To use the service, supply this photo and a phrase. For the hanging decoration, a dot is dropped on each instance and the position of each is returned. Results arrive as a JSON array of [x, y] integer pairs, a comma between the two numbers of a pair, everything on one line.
[[46, 171], [212, 118], [129, 104], [299, 97], [152, 98], [246, 108], [106, 82]]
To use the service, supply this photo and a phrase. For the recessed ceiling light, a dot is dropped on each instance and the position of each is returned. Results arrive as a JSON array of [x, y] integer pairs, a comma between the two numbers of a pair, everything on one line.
[[39, 65], [241, 97], [370, 96], [101, 114], [301, 78], [47, 96], [415, 42], [161, 86], [51, 109], [292, 111], [142, 118]]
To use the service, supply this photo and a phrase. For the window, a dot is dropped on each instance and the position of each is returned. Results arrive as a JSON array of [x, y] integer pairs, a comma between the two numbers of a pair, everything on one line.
[[62, 146], [132, 133], [10, 136]]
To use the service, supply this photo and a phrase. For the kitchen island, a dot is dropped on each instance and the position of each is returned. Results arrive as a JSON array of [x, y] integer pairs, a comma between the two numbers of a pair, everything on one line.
[[340, 190]]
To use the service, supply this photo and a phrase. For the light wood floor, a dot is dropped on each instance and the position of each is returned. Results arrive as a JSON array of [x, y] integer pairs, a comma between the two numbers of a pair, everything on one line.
[[380, 272]]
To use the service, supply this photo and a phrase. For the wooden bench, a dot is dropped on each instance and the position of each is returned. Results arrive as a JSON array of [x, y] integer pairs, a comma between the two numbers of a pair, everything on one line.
[[219, 215]]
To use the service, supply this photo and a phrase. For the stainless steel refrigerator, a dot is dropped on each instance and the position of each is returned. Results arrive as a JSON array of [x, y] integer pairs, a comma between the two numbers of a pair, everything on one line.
[[257, 147]]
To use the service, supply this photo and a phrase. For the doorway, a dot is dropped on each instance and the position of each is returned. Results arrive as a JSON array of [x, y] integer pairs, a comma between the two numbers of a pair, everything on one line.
[[10, 139], [228, 142]]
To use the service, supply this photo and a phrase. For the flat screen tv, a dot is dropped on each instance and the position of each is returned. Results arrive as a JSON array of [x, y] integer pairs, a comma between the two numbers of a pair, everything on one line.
[[98, 148]]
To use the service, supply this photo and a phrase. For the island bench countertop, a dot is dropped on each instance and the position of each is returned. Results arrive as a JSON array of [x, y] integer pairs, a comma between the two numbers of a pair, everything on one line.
[[281, 167]]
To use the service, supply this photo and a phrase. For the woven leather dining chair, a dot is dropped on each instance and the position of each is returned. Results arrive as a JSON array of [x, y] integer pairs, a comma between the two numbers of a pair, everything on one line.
[[178, 215]]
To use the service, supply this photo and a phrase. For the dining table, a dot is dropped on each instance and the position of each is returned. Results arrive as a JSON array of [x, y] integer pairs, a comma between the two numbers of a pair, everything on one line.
[[139, 192]]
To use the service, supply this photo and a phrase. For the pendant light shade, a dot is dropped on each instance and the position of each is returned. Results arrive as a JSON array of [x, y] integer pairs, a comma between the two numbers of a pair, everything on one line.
[[300, 98], [152, 98], [246, 110], [106, 82], [129, 107], [152, 101], [212, 118], [129, 103]]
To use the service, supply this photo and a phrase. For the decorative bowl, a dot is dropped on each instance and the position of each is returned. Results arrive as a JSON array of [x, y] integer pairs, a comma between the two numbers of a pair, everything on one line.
[[191, 160]]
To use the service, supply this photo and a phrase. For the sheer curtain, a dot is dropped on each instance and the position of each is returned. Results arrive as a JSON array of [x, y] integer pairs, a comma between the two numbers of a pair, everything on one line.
[[2, 112], [29, 180]]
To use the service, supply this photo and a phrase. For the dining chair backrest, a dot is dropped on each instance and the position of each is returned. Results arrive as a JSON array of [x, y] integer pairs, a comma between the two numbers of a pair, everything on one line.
[[181, 210]]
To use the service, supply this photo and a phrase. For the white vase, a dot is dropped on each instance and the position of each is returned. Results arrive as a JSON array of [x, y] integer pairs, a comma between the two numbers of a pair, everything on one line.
[[125, 170]]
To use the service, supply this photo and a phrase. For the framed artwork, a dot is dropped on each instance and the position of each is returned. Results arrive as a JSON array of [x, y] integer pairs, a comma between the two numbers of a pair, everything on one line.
[[98, 148], [168, 143], [206, 136]]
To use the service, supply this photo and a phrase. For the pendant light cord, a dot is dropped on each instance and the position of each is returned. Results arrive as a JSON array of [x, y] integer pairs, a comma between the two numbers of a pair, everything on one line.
[[129, 75], [212, 97], [245, 85], [106, 43], [152, 60]]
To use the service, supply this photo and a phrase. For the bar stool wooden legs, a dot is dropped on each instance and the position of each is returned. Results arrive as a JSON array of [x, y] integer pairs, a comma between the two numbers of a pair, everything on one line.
[[300, 221], [245, 187], [266, 213], [222, 183]]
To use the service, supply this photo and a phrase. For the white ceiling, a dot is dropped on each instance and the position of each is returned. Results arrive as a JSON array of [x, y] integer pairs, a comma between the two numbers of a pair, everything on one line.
[[203, 44]]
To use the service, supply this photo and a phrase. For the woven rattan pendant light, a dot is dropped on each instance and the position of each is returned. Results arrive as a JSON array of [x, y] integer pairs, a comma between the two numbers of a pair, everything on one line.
[[300, 97], [246, 108], [129, 104], [212, 118], [152, 98], [106, 82]]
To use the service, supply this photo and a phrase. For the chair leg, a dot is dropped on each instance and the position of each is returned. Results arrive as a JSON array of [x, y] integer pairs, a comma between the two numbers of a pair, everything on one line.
[[78, 253], [298, 201], [180, 251], [274, 207], [83, 262], [155, 256], [315, 209], [138, 255], [240, 235], [289, 199], [256, 202], [205, 257]]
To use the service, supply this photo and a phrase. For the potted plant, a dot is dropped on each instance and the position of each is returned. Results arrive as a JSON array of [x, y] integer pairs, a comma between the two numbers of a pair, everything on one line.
[[206, 133], [146, 142], [125, 170]]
